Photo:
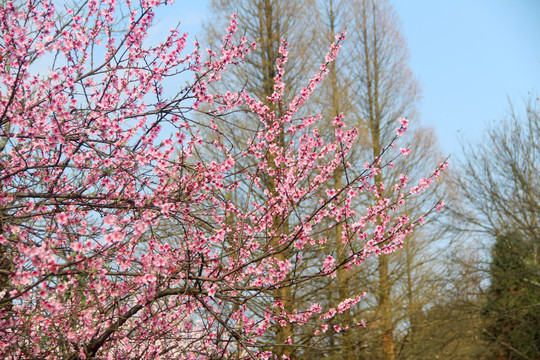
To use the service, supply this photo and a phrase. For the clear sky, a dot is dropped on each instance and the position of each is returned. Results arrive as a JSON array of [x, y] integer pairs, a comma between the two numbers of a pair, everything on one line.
[[470, 56]]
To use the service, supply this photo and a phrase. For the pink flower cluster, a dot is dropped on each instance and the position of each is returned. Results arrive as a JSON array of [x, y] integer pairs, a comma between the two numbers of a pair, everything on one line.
[[133, 231]]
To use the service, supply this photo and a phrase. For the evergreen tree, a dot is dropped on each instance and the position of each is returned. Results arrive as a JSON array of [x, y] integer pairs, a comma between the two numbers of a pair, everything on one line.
[[512, 307]]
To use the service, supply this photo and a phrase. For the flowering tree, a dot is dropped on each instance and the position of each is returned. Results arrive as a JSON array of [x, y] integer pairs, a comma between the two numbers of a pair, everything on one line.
[[116, 233]]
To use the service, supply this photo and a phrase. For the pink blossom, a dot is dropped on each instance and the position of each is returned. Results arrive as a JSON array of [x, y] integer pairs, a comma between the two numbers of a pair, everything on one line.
[[404, 122], [62, 219], [405, 151], [77, 246], [440, 205], [109, 220], [328, 264]]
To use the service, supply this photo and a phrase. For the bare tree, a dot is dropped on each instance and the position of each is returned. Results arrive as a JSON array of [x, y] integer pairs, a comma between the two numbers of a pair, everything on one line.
[[498, 185], [373, 86], [499, 181], [269, 22], [384, 91]]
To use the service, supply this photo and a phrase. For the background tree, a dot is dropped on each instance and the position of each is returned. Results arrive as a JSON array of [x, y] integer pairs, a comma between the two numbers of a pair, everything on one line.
[[502, 193], [269, 22], [411, 275], [499, 199], [384, 91], [450, 325], [373, 88], [512, 307]]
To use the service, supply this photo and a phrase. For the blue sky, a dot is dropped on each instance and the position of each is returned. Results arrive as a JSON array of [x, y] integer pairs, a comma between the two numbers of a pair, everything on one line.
[[470, 56]]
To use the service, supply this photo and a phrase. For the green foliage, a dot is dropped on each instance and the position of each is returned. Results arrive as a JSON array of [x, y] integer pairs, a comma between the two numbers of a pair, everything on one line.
[[512, 307]]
